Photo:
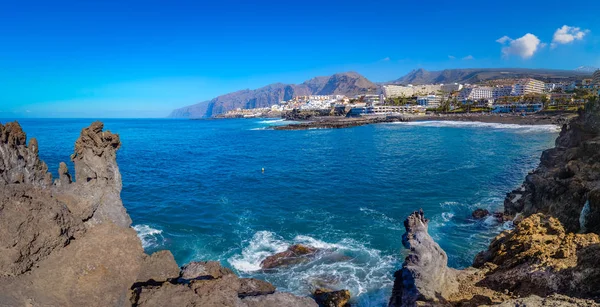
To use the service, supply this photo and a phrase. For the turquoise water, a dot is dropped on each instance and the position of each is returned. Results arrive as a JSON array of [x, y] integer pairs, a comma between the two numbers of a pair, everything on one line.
[[197, 189]]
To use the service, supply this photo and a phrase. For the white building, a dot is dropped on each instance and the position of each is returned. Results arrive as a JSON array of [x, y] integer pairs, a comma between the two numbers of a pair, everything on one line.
[[528, 86], [449, 88], [392, 91], [476, 93], [429, 101], [501, 91], [596, 77]]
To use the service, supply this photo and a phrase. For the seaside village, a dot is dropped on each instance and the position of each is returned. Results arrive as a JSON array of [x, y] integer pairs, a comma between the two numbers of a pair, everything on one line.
[[497, 96]]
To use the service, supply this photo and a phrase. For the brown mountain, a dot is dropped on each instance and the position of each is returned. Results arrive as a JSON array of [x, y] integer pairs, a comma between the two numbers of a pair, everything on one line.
[[349, 83], [475, 75]]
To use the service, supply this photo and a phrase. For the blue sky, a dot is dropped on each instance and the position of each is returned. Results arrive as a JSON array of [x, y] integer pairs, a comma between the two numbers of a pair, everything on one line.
[[144, 58]]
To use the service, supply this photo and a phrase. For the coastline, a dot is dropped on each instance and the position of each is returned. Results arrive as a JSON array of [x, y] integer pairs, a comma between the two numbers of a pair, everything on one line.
[[336, 122]]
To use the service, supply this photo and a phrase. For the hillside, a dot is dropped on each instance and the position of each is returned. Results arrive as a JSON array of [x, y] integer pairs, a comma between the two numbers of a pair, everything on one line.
[[421, 76], [349, 83]]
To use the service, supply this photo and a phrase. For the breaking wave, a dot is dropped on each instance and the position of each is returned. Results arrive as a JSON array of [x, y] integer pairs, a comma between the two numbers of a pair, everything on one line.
[[271, 121], [149, 236], [465, 124], [346, 264]]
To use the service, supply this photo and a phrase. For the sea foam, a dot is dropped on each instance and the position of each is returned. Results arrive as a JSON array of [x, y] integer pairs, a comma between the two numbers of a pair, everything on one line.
[[466, 124], [346, 264], [149, 236]]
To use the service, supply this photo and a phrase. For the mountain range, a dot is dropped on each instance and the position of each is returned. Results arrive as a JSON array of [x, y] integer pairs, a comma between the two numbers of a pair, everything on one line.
[[352, 83], [348, 83], [475, 75]]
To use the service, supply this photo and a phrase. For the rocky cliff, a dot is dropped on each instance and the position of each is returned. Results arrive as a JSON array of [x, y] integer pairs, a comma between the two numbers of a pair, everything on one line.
[[349, 83], [566, 184], [550, 258], [69, 242]]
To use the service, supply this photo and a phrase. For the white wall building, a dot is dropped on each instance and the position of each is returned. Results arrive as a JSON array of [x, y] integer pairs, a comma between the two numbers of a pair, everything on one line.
[[429, 101], [528, 86], [476, 93]]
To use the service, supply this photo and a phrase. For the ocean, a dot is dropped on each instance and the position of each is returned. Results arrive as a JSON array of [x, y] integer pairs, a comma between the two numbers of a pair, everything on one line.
[[197, 188]]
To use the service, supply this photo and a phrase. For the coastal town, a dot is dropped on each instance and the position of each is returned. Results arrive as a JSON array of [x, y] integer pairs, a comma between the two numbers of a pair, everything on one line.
[[517, 96]]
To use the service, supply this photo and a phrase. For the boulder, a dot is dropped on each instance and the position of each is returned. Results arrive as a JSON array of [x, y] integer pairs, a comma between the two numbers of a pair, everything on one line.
[[204, 270], [254, 287], [480, 213], [330, 298], [158, 267], [295, 254]]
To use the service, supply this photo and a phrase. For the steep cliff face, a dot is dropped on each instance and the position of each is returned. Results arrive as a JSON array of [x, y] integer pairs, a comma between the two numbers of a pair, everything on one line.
[[68, 243], [349, 83], [566, 185]]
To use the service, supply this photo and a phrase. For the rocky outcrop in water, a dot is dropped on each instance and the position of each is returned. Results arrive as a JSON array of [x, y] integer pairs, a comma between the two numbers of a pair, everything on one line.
[[295, 254], [566, 185], [537, 259], [425, 275], [69, 243]]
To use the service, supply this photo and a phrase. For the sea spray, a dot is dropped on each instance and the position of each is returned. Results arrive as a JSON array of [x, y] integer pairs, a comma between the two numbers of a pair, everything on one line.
[[149, 236], [347, 264]]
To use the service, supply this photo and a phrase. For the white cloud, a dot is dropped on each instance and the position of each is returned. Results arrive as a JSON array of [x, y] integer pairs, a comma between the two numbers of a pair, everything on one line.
[[451, 57], [567, 34], [386, 59], [503, 39], [468, 57], [525, 46]]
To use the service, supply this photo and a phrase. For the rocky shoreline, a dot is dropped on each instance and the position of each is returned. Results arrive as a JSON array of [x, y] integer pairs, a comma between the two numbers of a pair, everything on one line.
[[550, 258], [66, 242]]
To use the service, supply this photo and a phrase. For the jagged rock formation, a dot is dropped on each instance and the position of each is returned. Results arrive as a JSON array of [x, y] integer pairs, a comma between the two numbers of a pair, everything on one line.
[[535, 260], [349, 83], [69, 243], [567, 179], [425, 275]]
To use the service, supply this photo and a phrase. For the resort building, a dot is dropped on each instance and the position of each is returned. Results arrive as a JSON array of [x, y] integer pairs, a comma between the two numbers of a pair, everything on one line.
[[528, 86], [429, 101], [596, 77], [392, 91], [501, 91], [476, 93]]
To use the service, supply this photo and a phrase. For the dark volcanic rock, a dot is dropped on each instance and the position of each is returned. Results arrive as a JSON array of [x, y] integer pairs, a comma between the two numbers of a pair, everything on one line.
[[329, 298], [425, 275], [295, 254], [480, 213], [567, 179]]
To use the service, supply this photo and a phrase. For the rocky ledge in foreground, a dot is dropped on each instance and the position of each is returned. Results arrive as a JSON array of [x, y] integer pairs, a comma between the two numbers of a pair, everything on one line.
[[66, 242], [536, 263]]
